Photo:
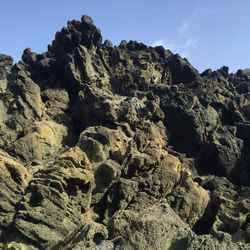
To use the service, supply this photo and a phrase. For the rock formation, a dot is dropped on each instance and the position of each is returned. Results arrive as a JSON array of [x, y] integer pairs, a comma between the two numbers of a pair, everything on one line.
[[121, 147]]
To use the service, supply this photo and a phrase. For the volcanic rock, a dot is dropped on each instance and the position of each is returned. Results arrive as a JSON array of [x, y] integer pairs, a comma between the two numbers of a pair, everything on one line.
[[121, 147]]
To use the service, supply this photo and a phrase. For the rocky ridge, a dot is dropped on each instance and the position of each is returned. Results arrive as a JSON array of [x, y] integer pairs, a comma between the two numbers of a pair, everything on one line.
[[121, 147]]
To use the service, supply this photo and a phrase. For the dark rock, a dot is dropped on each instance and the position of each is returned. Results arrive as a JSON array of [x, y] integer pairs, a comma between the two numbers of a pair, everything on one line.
[[5, 61], [182, 70], [206, 72], [135, 46], [28, 56], [121, 147], [108, 43]]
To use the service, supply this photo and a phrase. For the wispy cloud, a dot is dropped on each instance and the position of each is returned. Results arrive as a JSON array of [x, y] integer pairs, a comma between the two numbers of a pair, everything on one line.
[[184, 28], [182, 43], [165, 43], [202, 11]]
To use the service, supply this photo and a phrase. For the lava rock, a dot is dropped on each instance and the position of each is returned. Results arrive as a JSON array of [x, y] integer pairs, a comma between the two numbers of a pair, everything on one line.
[[121, 147]]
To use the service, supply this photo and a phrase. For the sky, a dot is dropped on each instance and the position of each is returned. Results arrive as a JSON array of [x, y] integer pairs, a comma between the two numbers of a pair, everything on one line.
[[210, 34]]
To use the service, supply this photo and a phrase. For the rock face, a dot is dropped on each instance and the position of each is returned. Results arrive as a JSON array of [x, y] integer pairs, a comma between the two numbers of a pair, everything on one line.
[[121, 147]]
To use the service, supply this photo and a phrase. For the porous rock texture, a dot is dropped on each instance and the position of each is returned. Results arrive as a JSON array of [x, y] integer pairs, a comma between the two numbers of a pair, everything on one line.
[[121, 147]]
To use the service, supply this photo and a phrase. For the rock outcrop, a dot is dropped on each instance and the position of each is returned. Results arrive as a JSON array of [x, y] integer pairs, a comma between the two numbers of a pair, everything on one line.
[[121, 147]]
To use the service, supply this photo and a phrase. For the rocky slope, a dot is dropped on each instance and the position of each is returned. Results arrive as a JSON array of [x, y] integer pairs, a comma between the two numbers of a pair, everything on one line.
[[126, 147]]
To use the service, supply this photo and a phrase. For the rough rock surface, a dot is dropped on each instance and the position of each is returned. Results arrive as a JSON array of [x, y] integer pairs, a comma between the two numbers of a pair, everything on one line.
[[121, 147]]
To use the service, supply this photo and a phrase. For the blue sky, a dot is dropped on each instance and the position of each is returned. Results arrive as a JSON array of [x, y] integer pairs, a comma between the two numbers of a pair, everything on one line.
[[209, 33]]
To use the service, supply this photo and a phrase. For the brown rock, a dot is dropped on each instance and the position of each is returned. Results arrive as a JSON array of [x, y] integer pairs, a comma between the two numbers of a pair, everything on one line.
[[40, 140], [98, 141]]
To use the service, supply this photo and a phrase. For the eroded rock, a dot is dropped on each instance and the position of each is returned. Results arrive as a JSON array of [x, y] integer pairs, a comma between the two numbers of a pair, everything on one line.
[[121, 147]]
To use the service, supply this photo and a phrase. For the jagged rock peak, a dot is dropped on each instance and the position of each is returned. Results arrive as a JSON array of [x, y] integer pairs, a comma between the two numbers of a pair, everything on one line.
[[103, 145], [5, 61], [77, 33]]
